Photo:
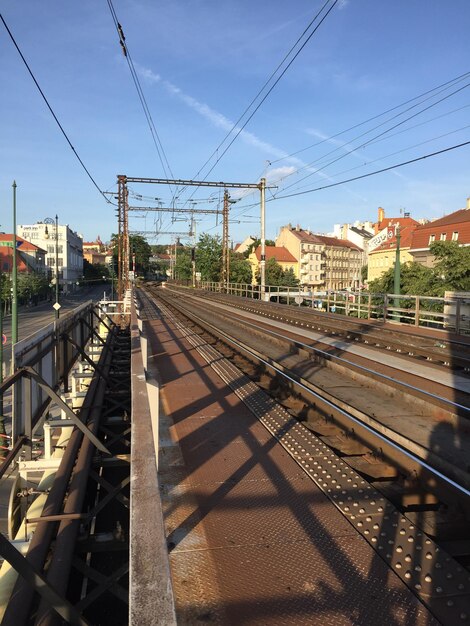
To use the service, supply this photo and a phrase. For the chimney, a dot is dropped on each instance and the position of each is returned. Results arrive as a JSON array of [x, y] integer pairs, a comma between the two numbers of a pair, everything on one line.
[[468, 203], [381, 214], [297, 228]]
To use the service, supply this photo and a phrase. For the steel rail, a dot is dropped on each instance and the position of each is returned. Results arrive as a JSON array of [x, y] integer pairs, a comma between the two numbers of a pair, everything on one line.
[[415, 459], [339, 326], [362, 368]]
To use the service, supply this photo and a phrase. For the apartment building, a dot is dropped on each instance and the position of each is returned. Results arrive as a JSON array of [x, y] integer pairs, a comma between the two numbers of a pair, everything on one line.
[[281, 255], [452, 227], [69, 250], [323, 262]]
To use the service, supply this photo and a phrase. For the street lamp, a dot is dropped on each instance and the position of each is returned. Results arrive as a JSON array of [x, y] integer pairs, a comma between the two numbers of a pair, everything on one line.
[[49, 220]]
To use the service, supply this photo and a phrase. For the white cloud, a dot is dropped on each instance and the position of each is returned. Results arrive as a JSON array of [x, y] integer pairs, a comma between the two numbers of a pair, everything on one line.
[[220, 121]]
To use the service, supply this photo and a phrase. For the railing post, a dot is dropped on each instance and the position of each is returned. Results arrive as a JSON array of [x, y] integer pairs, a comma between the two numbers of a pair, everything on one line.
[[417, 310], [457, 316], [385, 306]]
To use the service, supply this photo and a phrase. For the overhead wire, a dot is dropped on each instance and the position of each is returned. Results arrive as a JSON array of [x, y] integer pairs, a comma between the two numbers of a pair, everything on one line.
[[374, 117], [364, 144], [385, 169], [240, 129], [87, 171], [135, 78]]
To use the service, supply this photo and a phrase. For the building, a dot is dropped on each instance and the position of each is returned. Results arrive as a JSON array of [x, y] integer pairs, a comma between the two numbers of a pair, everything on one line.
[[95, 251], [242, 247], [452, 227], [69, 250], [383, 257], [29, 257], [323, 262], [281, 255]]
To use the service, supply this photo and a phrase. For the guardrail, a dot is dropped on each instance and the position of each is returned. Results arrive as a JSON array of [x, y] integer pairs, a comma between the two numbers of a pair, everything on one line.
[[451, 313]]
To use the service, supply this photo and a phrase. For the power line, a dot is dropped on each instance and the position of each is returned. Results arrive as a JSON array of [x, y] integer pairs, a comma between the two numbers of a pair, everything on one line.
[[286, 56], [270, 89], [52, 111], [385, 169], [366, 143], [153, 130], [371, 119]]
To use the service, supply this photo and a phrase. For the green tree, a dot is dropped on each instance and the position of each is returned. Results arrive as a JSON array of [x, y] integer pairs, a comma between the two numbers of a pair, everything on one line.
[[273, 273], [183, 265], [289, 279], [451, 267], [209, 257], [257, 242], [240, 269], [139, 246]]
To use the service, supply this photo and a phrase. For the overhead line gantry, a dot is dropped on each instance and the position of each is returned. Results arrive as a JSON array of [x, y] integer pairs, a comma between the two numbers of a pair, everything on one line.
[[123, 220]]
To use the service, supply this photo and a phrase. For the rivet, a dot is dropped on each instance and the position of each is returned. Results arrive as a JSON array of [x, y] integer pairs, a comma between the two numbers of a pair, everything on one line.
[[428, 578], [398, 565], [450, 603], [360, 524], [374, 539], [399, 549], [402, 531], [408, 558], [407, 574], [428, 555], [375, 526], [438, 589]]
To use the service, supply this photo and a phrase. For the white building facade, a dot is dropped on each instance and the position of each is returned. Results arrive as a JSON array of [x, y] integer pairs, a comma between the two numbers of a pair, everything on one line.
[[69, 251]]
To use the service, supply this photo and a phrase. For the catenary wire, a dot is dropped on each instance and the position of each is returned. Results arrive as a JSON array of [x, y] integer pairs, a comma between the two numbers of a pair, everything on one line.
[[53, 114], [153, 130], [385, 169], [366, 143], [371, 119], [270, 90]]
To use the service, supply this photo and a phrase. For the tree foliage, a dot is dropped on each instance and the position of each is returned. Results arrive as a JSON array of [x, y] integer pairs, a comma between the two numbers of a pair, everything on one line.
[[183, 265], [240, 269], [209, 257], [451, 272], [139, 246], [276, 276]]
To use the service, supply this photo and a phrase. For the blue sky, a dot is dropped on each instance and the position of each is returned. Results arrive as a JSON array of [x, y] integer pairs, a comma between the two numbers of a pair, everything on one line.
[[200, 63]]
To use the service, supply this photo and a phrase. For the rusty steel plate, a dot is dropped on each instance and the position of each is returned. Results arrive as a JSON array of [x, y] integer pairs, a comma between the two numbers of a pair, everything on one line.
[[245, 540]]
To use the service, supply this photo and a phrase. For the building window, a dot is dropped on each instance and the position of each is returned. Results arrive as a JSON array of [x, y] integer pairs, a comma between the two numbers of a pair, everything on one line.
[[455, 235], [432, 239], [443, 236]]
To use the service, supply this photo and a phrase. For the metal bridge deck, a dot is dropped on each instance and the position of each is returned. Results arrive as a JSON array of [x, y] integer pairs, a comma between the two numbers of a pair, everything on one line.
[[252, 539]]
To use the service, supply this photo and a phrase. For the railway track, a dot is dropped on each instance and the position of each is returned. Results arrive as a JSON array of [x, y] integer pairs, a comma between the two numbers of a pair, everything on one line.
[[428, 483], [448, 351]]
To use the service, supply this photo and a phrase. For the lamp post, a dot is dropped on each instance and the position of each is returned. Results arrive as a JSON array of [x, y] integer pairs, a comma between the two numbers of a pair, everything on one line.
[[14, 295], [55, 222]]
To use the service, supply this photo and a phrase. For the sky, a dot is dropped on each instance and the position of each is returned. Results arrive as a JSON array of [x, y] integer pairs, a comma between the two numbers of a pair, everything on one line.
[[200, 63]]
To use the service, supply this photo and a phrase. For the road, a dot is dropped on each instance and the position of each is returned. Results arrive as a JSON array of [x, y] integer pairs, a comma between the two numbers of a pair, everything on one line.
[[31, 319]]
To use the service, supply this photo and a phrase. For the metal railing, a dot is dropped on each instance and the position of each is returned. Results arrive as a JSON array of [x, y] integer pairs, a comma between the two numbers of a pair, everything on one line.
[[451, 313]]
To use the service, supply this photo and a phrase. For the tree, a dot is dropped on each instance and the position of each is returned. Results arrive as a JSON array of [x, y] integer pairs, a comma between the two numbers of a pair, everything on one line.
[[273, 272], [452, 266], [240, 269], [257, 242], [139, 246], [183, 265], [209, 257]]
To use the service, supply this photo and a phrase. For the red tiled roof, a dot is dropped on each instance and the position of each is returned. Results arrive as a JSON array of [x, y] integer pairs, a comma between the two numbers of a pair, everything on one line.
[[281, 254], [391, 221], [406, 234], [459, 222], [307, 237], [22, 244]]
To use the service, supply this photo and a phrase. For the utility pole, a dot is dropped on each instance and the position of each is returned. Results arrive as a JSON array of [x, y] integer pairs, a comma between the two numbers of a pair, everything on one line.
[[225, 241], [262, 188], [57, 308], [397, 273], [14, 295]]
